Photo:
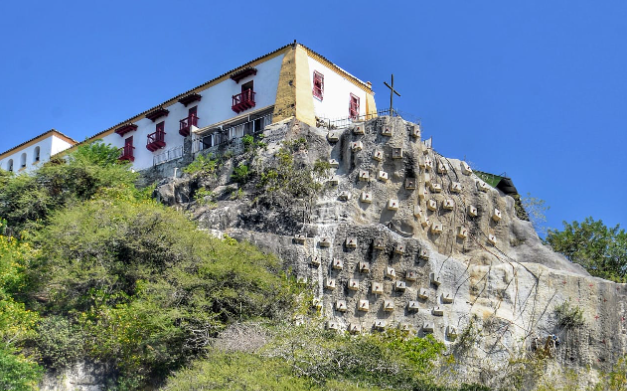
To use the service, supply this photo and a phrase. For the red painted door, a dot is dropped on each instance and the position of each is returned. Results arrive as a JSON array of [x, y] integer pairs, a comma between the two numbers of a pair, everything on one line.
[[192, 116], [128, 146]]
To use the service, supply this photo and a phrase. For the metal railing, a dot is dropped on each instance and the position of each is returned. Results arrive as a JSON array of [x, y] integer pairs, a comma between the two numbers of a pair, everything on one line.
[[126, 153], [243, 101], [227, 134], [172, 154], [156, 137], [345, 122]]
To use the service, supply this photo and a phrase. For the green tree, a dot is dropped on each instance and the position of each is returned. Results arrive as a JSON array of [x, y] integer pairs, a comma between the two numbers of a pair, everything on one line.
[[600, 249]]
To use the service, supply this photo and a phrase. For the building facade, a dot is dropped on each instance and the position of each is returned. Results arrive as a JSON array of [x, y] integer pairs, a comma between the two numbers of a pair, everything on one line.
[[292, 81]]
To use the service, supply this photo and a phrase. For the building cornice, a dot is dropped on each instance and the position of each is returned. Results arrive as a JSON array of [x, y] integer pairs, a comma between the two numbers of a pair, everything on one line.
[[37, 139]]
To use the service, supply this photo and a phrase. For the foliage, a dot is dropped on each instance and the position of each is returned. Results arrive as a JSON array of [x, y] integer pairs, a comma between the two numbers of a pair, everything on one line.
[[569, 315], [148, 289], [202, 164], [16, 372], [204, 196], [250, 144], [17, 323], [536, 209], [241, 174], [289, 179], [380, 359], [600, 249], [27, 200], [59, 342], [616, 379]]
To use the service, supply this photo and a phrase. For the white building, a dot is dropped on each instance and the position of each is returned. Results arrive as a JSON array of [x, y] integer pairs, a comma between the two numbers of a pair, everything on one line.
[[292, 81], [31, 154]]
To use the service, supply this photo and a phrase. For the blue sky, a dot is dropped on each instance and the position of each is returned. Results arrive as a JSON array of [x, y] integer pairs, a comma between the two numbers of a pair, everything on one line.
[[536, 89]]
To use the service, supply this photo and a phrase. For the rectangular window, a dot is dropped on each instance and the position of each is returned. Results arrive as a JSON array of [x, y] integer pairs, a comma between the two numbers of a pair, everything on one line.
[[318, 85], [353, 110]]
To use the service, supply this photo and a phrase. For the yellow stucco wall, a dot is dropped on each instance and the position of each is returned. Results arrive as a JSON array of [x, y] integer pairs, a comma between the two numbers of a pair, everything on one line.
[[304, 98], [285, 104]]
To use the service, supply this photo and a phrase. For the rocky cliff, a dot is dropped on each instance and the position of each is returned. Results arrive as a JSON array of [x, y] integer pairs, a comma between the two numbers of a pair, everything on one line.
[[402, 237]]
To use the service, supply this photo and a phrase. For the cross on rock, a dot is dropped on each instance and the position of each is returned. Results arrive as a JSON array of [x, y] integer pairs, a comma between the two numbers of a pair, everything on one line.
[[392, 92]]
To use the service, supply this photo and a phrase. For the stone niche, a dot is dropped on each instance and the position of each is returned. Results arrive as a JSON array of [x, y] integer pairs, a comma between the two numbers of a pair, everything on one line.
[[447, 298], [382, 176], [333, 325], [380, 324], [364, 175], [330, 284], [448, 204], [364, 267], [387, 131], [377, 288], [456, 187], [392, 204], [353, 284], [410, 184], [333, 137], [325, 242], [357, 146], [388, 305], [462, 232], [466, 170], [354, 328], [340, 305], [338, 264], [334, 163], [351, 242], [377, 155], [414, 130], [379, 244], [397, 153], [413, 306], [344, 195], [411, 275], [364, 305], [359, 129], [472, 211], [390, 272], [400, 286], [366, 197]]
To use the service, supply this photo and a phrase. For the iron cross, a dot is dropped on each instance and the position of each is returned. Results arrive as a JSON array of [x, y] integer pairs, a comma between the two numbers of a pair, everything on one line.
[[392, 92]]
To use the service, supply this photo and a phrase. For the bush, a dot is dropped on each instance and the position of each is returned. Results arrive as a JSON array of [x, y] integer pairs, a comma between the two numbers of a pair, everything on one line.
[[569, 316], [152, 290], [241, 174], [202, 164], [16, 372]]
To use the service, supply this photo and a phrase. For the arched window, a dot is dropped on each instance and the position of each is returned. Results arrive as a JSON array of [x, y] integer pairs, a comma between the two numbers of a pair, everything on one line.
[[37, 153], [23, 160], [10, 165]]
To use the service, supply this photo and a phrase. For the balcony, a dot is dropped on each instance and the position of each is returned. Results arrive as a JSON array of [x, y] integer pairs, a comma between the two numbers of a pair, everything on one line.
[[243, 101], [186, 125], [126, 153], [156, 141]]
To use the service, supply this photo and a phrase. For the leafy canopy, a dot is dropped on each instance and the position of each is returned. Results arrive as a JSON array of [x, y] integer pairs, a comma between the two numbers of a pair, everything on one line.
[[600, 249]]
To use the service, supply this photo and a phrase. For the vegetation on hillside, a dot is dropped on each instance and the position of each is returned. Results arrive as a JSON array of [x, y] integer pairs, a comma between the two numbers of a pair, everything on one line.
[[600, 249], [93, 269]]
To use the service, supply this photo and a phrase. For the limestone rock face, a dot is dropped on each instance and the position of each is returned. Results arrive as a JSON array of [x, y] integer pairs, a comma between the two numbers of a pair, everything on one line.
[[426, 248], [81, 376]]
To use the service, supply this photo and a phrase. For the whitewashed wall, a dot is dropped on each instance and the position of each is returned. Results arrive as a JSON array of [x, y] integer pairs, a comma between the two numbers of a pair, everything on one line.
[[337, 90], [48, 147], [215, 106]]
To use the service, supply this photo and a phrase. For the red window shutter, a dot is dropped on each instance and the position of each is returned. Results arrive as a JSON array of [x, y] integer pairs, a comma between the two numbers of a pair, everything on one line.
[[160, 126], [353, 109], [128, 143], [318, 85]]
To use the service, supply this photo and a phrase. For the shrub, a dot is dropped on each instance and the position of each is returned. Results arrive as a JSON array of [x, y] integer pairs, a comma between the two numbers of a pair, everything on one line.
[[241, 174], [202, 164], [568, 315]]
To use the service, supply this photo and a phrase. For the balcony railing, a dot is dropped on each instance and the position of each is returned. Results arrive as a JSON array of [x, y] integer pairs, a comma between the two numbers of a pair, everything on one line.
[[126, 153], [186, 125], [243, 101], [156, 141]]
